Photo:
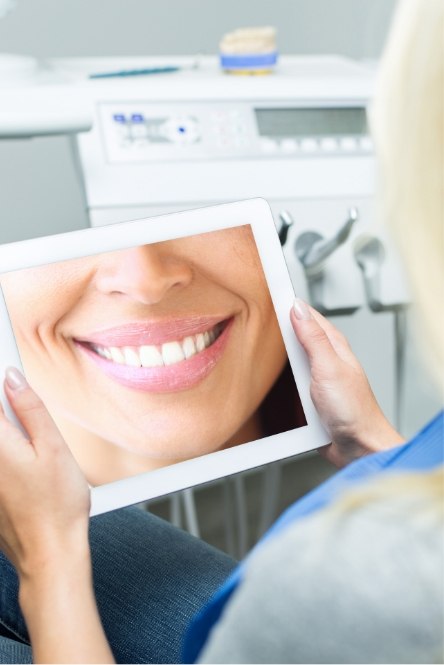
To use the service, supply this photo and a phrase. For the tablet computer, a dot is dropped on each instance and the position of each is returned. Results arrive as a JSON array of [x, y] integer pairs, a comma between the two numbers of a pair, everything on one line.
[[162, 348]]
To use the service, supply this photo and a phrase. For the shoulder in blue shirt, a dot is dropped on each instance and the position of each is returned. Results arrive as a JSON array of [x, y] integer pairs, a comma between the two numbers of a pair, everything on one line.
[[424, 452]]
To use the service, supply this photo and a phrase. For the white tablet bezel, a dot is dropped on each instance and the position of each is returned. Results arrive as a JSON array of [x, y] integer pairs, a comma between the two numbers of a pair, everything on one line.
[[256, 213]]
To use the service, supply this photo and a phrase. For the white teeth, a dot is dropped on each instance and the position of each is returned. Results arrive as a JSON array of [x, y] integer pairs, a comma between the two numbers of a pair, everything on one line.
[[150, 356], [169, 353], [200, 342], [172, 353], [189, 347], [117, 355], [131, 356]]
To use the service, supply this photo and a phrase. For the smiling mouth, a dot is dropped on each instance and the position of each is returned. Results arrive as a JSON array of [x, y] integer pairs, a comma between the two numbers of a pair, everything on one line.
[[159, 355]]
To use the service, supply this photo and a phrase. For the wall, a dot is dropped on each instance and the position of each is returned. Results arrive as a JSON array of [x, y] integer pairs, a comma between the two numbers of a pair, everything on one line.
[[47, 28]]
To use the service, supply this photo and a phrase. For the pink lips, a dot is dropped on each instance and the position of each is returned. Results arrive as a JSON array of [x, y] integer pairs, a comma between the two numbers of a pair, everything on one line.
[[172, 378]]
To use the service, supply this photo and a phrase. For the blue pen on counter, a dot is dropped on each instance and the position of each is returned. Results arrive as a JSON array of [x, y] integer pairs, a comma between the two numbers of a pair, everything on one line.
[[135, 72], [146, 71]]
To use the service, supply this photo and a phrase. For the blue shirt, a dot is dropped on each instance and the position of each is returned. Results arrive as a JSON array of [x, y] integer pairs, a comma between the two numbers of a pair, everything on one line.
[[423, 453]]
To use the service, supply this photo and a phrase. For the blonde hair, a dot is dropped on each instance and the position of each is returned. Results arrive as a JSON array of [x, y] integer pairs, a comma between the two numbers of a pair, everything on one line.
[[407, 119], [427, 486]]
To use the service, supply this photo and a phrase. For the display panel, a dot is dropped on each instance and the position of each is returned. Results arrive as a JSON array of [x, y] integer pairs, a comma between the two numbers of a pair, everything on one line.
[[311, 122], [159, 349], [163, 348]]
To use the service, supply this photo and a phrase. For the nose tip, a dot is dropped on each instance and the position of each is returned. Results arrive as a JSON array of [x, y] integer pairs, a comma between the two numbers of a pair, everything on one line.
[[145, 274]]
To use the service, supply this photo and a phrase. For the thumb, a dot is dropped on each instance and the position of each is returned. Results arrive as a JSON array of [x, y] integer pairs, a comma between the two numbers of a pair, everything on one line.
[[30, 410], [311, 335]]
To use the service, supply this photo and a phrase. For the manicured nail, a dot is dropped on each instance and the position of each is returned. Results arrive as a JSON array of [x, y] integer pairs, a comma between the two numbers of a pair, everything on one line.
[[15, 379], [301, 310]]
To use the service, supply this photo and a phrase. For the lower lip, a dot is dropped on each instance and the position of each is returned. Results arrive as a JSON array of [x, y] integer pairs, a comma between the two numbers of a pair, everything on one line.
[[169, 379]]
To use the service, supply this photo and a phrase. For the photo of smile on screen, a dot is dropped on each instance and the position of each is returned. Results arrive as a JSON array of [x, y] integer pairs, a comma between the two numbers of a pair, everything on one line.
[[153, 355]]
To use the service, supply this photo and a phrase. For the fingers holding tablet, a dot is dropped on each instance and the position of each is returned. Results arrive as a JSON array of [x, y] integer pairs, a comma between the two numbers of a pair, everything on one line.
[[45, 499], [11, 436], [340, 390], [31, 412]]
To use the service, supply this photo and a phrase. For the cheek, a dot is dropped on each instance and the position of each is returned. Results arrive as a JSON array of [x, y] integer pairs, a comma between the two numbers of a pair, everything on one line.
[[23, 307], [34, 311], [270, 336], [38, 298], [246, 280], [229, 257], [26, 317], [269, 345]]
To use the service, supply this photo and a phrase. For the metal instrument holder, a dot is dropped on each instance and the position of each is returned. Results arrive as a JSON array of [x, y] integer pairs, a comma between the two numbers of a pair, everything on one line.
[[313, 250]]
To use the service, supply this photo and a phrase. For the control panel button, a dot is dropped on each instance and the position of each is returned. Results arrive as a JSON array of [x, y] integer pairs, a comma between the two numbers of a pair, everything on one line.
[[219, 129], [138, 131], [122, 132], [289, 145], [366, 143], [182, 130], [240, 142], [329, 144], [223, 142], [349, 144], [268, 145], [309, 145], [238, 129]]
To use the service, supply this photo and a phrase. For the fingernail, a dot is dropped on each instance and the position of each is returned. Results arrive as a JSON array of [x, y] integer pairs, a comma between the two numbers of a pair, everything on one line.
[[15, 379], [301, 310]]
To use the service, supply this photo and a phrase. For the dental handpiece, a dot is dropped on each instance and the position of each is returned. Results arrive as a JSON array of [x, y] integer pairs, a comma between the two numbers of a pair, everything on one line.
[[286, 222], [370, 255], [313, 249]]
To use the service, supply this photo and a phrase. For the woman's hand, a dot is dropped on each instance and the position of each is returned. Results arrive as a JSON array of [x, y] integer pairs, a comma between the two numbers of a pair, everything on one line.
[[44, 497], [44, 512], [340, 390]]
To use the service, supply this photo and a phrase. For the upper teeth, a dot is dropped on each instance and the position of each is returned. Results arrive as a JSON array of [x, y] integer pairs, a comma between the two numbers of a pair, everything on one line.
[[157, 356]]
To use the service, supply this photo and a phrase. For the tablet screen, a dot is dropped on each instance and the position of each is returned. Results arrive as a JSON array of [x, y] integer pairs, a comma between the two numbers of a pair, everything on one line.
[[155, 354]]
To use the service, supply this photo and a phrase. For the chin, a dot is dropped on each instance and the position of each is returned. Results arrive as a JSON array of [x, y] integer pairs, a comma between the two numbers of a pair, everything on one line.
[[163, 450]]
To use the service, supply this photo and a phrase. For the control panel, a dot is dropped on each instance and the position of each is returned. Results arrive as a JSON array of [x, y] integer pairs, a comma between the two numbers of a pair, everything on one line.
[[153, 132]]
